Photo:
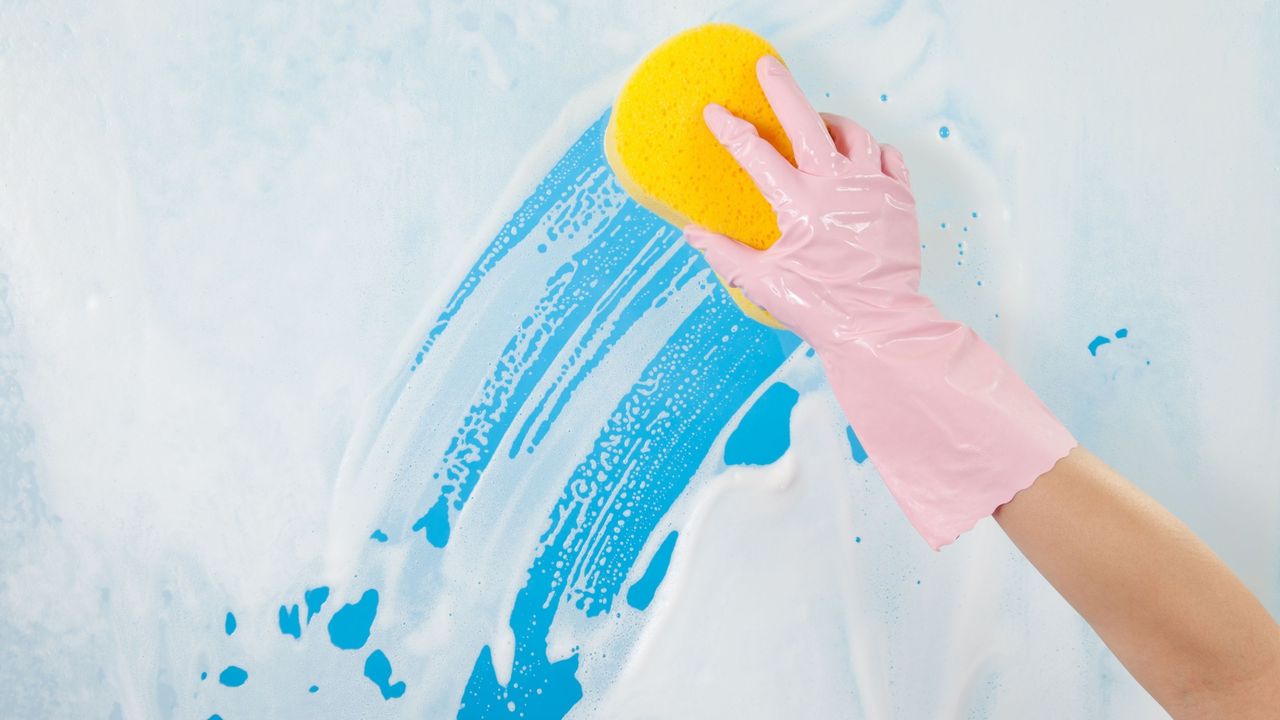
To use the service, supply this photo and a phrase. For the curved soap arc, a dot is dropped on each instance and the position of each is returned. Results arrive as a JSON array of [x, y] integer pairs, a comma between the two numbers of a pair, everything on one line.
[[527, 453]]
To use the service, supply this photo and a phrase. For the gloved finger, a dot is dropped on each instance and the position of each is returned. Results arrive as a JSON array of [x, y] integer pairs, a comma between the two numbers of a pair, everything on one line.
[[730, 259], [772, 173], [893, 165], [854, 142], [812, 145]]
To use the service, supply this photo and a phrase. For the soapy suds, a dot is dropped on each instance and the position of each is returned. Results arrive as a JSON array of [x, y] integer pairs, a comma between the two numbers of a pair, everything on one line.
[[578, 399]]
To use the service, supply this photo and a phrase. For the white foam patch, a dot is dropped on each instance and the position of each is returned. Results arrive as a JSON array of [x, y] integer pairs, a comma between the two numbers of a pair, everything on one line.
[[223, 230], [796, 590]]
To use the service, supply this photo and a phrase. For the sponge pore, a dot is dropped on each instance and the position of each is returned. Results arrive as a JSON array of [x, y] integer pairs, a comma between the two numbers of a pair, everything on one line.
[[663, 153]]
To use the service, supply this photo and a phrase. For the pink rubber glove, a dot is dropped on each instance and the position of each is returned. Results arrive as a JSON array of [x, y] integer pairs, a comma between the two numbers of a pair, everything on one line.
[[950, 427]]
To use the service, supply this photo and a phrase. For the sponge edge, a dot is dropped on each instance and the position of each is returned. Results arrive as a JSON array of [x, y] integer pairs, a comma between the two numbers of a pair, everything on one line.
[[665, 157]]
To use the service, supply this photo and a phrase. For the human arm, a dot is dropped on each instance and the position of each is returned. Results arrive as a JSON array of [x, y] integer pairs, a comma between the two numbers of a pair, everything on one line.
[[1172, 612], [957, 436]]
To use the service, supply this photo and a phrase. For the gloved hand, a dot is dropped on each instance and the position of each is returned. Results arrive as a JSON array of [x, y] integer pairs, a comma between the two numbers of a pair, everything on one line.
[[950, 427]]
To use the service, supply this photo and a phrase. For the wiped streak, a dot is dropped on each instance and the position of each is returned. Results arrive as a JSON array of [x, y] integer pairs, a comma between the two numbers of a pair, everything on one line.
[[642, 459], [665, 434], [670, 278], [565, 189], [614, 261]]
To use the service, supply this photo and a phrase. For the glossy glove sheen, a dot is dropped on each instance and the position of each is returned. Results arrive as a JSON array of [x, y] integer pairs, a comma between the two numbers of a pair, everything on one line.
[[953, 431]]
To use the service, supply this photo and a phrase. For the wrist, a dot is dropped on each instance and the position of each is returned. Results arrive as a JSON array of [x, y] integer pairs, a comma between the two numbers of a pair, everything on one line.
[[951, 428]]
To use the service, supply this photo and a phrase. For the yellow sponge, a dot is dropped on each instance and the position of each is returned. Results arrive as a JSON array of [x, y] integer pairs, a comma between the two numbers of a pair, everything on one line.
[[665, 157]]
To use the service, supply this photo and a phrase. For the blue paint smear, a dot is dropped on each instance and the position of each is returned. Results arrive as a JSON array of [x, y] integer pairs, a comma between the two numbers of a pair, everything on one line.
[[289, 623], [593, 282], [764, 434], [1097, 343], [230, 624], [681, 265], [314, 599], [628, 262], [349, 627], [378, 669], [379, 536], [641, 593], [233, 676], [855, 445], [1122, 333], [707, 370]]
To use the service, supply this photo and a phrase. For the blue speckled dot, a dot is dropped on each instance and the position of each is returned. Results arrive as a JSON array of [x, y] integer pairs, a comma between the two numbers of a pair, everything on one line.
[[313, 688], [884, 97], [349, 627], [288, 619], [233, 676], [378, 669], [315, 598], [944, 132]]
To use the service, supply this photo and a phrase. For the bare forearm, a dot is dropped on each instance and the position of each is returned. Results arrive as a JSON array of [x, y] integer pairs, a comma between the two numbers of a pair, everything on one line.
[[1182, 623]]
